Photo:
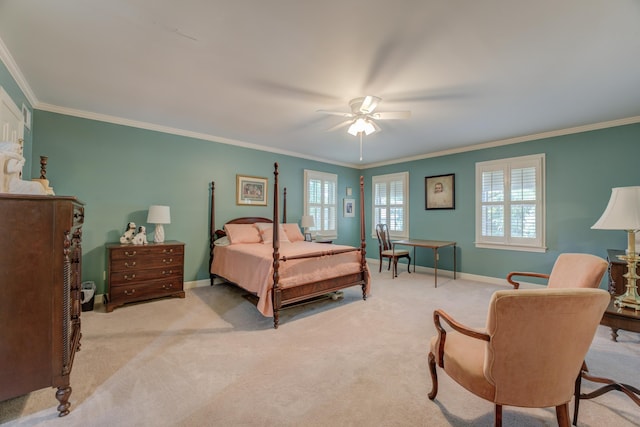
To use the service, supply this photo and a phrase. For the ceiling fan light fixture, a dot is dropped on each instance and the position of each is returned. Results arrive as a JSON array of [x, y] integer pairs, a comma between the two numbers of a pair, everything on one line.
[[361, 125]]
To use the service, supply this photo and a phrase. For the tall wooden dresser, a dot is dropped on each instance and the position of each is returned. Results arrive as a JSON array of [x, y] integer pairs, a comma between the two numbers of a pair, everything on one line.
[[40, 277]]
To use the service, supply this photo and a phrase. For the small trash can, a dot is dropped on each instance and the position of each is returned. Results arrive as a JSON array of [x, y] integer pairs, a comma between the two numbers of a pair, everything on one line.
[[88, 291]]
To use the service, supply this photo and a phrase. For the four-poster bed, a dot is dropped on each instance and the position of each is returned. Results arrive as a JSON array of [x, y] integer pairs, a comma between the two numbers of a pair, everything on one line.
[[272, 261]]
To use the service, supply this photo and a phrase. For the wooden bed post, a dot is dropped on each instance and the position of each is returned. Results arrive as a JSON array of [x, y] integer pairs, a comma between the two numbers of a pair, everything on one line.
[[212, 230], [363, 241], [284, 207], [275, 293]]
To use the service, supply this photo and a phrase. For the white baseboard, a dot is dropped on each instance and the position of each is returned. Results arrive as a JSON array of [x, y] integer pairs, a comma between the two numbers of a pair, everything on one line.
[[441, 273], [373, 266]]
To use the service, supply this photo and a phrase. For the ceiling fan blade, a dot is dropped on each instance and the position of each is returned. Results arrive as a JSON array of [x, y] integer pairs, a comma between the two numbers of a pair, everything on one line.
[[369, 103], [339, 125], [336, 113], [391, 115]]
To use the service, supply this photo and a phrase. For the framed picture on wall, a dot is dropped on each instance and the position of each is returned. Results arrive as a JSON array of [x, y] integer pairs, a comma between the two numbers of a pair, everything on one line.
[[440, 192], [349, 208], [251, 190]]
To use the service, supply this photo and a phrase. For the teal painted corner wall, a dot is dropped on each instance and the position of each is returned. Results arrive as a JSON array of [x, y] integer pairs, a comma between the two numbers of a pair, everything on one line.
[[581, 169], [119, 171]]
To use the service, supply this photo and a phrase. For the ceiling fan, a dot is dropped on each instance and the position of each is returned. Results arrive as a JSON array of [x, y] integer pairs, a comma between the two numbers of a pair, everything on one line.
[[362, 118]]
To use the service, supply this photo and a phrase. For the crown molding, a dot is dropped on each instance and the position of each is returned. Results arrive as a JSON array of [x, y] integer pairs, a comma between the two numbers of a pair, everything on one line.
[[509, 141], [175, 131], [10, 63]]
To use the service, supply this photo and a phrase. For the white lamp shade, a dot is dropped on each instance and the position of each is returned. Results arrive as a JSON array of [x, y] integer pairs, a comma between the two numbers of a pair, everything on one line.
[[159, 215], [307, 221], [623, 210]]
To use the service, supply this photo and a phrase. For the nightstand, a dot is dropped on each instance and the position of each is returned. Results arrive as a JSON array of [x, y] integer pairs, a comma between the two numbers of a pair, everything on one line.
[[143, 272]]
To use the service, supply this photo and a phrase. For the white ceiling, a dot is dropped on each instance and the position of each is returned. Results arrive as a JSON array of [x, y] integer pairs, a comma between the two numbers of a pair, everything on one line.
[[255, 72]]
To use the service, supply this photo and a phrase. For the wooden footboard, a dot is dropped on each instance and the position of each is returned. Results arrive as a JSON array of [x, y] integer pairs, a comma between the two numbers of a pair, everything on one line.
[[282, 297]]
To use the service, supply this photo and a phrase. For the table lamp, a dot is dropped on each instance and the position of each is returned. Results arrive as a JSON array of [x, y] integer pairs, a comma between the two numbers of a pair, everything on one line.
[[307, 222], [159, 215], [623, 213]]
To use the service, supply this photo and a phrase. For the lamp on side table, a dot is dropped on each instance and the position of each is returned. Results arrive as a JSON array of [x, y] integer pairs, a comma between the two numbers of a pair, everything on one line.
[[623, 213], [159, 215]]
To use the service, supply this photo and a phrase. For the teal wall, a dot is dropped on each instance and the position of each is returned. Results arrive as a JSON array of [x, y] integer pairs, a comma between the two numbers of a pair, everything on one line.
[[119, 171], [581, 169]]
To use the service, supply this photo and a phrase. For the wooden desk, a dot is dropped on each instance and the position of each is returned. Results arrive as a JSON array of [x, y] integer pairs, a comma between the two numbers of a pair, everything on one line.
[[434, 245]]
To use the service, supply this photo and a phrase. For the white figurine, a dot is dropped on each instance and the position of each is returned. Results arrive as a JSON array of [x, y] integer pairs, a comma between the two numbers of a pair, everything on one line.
[[141, 237], [11, 163], [127, 237]]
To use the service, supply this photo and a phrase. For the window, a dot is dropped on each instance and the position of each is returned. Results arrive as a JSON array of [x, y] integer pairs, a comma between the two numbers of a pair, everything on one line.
[[321, 202], [510, 204], [391, 203]]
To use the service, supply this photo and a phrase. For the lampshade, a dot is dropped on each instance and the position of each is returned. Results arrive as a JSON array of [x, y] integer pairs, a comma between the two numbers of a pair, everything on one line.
[[307, 221], [159, 215], [623, 210]]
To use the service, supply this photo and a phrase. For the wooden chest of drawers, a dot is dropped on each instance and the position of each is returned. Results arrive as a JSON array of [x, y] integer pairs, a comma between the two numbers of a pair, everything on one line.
[[40, 279], [142, 272]]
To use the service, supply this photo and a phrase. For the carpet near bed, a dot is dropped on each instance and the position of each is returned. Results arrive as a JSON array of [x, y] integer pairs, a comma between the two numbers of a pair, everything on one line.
[[212, 359]]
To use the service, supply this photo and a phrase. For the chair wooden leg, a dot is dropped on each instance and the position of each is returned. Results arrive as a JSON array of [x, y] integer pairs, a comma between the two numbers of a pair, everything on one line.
[[562, 414], [434, 376], [380, 269], [409, 264], [497, 418], [576, 395], [389, 266], [395, 266]]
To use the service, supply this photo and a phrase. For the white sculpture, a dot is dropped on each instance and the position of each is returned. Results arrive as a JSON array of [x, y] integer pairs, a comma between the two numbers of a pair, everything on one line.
[[141, 237], [129, 233], [11, 164]]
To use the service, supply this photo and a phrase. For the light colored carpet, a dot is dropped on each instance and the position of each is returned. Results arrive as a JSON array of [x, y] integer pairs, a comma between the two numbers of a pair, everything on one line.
[[212, 360]]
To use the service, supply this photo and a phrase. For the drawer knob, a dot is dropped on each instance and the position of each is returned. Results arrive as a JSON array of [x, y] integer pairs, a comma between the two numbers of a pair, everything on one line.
[[133, 264], [165, 272], [126, 277], [167, 287], [167, 251], [127, 253], [167, 261], [129, 292]]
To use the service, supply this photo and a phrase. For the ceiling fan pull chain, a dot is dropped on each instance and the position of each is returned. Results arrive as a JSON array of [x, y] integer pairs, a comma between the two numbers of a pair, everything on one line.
[[360, 146]]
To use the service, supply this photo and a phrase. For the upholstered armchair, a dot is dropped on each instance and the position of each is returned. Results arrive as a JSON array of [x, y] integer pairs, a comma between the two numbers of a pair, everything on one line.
[[569, 271], [530, 351], [386, 250]]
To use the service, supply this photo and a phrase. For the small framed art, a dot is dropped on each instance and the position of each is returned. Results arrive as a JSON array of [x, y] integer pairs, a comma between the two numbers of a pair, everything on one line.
[[349, 208], [307, 237], [440, 192], [251, 190]]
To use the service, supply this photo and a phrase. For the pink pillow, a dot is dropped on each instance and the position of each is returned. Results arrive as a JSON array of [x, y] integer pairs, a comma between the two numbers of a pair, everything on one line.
[[266, 232], [293, 232], [242, 233]]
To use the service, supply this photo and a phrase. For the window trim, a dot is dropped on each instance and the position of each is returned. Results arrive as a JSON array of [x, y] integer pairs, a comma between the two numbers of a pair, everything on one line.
[[404, 177], [507, 242], [324, 176]]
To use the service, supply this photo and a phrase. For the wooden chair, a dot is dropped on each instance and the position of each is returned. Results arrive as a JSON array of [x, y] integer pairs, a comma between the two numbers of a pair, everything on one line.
[[569, 271], [386, 250], [530, 351]]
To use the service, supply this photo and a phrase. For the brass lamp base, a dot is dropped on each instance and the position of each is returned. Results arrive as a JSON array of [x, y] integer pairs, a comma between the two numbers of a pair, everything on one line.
[[630, 298]]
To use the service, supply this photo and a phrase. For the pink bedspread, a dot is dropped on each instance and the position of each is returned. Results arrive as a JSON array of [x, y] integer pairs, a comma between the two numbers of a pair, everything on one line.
[[251, 267]]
